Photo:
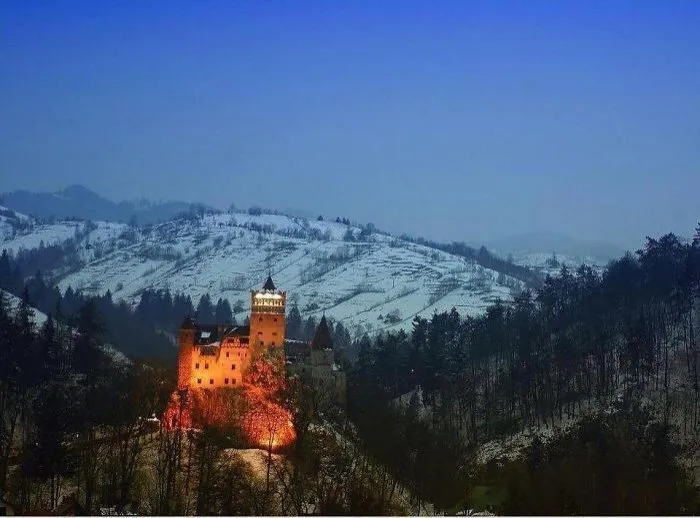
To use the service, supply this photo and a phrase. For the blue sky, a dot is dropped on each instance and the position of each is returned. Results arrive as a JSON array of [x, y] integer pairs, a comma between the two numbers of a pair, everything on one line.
[[454, 120]]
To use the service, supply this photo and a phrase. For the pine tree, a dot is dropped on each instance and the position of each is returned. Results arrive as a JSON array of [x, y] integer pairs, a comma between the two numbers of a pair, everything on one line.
[[294, 323], [223, 312], [5, 271], [205, 310]]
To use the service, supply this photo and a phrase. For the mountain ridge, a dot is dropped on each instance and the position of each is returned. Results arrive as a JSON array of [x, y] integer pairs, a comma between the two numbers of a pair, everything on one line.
[[369, 280], [77, 201], [555, 242]]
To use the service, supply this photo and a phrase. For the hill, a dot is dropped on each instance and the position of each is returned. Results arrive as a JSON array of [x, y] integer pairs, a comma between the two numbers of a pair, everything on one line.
[[366, 279], [80, 202]]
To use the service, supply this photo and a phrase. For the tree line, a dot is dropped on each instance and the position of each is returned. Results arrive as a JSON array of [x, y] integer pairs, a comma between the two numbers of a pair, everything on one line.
[[580, 341], [71, 415], [76, 437]]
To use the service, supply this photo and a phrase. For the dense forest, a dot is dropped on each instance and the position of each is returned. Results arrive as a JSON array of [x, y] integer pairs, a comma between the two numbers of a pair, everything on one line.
[[624, 341], [78, 435], [599, 371]]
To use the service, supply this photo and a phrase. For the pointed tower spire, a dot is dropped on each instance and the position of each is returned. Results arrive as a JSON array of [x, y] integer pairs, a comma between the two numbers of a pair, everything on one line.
[[269, 285]]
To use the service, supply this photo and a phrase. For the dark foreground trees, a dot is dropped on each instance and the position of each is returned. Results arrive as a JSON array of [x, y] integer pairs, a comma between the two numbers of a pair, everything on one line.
[[580, 341], [621, 464]]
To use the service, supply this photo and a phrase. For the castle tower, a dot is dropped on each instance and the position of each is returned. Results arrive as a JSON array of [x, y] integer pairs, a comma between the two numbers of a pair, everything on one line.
[[184, 360], [267, 317], [322, 344]]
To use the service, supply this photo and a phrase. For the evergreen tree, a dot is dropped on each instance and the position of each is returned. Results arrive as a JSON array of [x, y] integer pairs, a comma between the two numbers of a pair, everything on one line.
[[6, 281], [223, 312], [294, 324], [309, 329], [205, 310]]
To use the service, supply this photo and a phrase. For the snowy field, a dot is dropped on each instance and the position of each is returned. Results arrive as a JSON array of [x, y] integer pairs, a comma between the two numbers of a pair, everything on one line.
[[369, 286]]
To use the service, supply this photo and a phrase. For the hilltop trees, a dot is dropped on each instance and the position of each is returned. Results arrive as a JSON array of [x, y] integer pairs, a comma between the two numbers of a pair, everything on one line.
[[579, 340], [620, 464], [69, 411]]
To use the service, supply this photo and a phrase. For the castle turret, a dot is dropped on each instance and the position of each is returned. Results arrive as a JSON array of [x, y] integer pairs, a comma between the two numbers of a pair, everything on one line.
[[322, 344], [184, 362], [267, 317]]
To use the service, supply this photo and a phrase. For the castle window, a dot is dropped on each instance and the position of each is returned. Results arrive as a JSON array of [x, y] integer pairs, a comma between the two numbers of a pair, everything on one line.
[[260, 319], [211, 381], [226, 381], [226, 355], [196, 365], [199, 380], [275, 319], [233, 367], [206, 365], [233, 381]]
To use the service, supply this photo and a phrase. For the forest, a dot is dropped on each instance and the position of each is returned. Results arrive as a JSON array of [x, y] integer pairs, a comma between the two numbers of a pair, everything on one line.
[[597, 374], [79, 435], [623, 344]]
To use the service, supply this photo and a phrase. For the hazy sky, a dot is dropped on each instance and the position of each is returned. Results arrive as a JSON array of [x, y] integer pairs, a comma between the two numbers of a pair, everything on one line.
[[453, 120]]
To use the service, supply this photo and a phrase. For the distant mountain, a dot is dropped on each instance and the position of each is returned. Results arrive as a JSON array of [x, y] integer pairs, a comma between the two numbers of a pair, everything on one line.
[[560, 244], [299, 213], [77, 201]]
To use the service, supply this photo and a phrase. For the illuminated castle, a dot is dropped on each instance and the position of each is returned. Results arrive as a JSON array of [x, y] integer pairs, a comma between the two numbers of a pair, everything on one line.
[[223, 356], [216, 356]]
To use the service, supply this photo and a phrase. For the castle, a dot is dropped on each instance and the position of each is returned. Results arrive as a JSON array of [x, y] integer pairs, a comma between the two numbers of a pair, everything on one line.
[[216, 356]]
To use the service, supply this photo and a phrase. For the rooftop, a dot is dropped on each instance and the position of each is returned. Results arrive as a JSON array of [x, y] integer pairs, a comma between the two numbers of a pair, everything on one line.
[[269, 285]]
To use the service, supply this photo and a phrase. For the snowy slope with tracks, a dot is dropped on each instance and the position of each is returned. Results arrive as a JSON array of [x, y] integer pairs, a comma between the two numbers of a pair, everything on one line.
[[226, 255]]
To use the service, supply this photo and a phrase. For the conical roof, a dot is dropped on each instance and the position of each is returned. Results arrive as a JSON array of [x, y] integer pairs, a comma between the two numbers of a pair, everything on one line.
[[188, 323], [322, 337], [269, 285]]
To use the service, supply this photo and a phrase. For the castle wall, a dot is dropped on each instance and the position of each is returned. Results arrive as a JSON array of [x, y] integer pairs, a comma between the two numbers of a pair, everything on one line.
[[222, 364], [219, 365], [184, 361]]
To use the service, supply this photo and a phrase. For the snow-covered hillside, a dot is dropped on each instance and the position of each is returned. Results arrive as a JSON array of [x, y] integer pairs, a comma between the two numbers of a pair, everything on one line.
[[14, 302], [380, 282], [12, 223]]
